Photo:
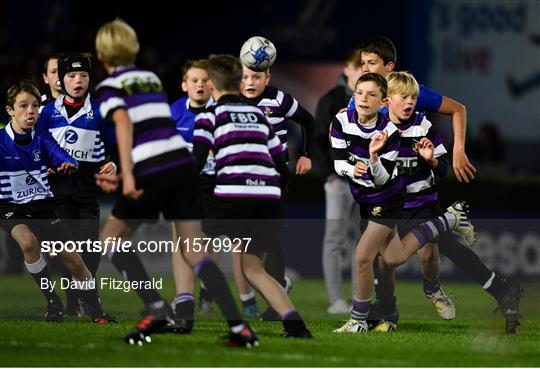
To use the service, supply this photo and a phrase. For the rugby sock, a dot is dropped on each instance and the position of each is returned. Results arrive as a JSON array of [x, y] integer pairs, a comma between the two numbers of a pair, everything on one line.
[[87, 293], [293, 323], [185, 306], [428, 232], [467, 260], [130, 266], [204, 295], [42, 276], [495, 286], [431, 287], [360, 309], [248, 299], [215, 282]]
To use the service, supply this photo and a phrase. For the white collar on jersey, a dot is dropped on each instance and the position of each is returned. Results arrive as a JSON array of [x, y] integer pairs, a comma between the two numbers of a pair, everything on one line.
[[11, 133], [59, 105]]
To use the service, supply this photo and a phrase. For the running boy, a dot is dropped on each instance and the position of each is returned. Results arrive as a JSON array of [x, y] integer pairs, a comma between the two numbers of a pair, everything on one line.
[[158, 176], [251, 170]]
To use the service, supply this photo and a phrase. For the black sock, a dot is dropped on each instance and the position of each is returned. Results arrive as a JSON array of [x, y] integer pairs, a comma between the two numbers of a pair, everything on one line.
[[131, 268], [204, 295], [89, 297], [215, 282], [249, 302], [495, 286], [430, 287], [275, 262], [72, 297], [293, 322], [464, 258], [185, 310], [42, 276]]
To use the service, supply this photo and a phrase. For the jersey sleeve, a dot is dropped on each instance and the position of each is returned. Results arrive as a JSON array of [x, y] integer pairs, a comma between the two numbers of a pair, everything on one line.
[[203, 137], [340, 150], [55, 153], [428, 100], [109, 99]]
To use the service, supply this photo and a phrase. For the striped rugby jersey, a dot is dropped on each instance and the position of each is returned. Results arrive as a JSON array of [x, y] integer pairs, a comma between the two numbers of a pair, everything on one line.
[[350, 142], [278, 106], [243, 143], [23, 168], [418, 174], [156, 144]]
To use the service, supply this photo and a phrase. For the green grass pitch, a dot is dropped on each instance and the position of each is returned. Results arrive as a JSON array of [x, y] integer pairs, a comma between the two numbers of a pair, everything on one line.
[[475, 338]]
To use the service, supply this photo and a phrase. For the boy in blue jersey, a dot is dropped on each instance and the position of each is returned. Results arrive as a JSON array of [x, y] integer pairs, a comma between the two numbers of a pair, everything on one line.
[[366, 146], [422, 157], [251, 171], [74, 121], [157, 176], [27, 209]]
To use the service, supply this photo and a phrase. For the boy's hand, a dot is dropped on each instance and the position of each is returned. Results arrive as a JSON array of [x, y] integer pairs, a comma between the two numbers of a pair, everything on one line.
[[303, 165], [128, 189], [360, 168], [378, 142], [107, 182], [66, 168], [109, 168], [463, 169], [425, 149]]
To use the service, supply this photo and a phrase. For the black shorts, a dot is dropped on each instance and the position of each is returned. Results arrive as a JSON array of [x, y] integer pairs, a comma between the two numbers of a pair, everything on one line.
[[176, 193], [412, 218], [387, 213], [40, 216], [256, 218]]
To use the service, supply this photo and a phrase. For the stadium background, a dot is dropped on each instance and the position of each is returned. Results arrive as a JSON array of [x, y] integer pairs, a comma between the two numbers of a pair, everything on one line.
[[485, 54]]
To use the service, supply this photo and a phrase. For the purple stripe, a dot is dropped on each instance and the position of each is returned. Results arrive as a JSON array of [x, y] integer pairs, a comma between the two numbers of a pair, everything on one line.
[[144, 98], [205, 260], [154, 135], [360, 151], [419, 236], [277, 150], [163, 167], [360, 195], [224, 117], [202, 139], [421, 200], [106, 93], [288, 314], [241, 134], [204, 123], [231, 158], [423, 174]]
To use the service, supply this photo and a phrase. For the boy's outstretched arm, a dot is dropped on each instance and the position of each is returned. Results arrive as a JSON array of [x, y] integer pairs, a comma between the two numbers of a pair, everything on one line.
[[463, 168]]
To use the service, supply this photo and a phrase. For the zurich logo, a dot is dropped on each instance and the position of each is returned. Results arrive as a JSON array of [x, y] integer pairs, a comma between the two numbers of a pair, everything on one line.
[[71, 136], [30, 180]]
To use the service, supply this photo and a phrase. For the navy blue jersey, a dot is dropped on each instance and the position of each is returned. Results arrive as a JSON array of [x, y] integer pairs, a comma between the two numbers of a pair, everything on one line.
[[350, 143], [184, 116], [23, 168], [428, 100], [84, 136], [418, 174]]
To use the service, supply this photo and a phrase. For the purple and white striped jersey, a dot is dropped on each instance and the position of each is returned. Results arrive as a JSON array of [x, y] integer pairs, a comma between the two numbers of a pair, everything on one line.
[[278, 106], [350, 142], [156, 144], [419, 176], [243, 143]]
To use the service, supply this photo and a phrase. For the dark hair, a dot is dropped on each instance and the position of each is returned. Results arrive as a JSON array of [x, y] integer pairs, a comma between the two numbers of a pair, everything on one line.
[[56, 56], [383, 47], [22, 86], [377, 78], [201, 64], [225, 72], [354, 57]]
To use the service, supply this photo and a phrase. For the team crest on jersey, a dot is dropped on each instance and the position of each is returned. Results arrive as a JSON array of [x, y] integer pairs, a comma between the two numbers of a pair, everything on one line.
[[90, 114], [376, 211], [267, 111], [37, 155]]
